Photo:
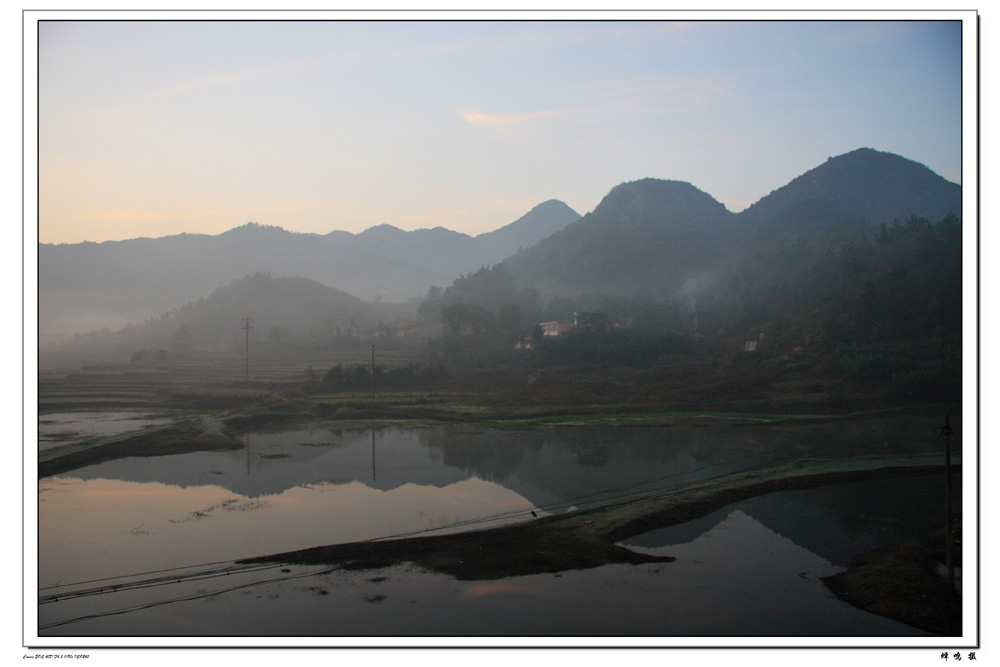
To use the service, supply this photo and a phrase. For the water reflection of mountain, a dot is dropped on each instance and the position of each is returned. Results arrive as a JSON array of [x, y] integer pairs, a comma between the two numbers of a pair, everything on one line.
[[835, 521], [589, 462], [275, 462], [545, 466], [549, 466]]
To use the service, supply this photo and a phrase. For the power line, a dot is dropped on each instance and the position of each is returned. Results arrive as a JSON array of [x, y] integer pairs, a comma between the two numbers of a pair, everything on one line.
[[185, 598]]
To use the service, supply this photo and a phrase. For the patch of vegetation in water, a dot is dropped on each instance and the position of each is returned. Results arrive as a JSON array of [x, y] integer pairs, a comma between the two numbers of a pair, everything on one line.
[[540, 422], [900, 583]]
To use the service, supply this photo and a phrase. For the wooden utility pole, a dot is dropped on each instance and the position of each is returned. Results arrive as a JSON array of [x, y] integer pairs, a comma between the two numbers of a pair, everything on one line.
[[373, 371], [248, 328], [948, 544]]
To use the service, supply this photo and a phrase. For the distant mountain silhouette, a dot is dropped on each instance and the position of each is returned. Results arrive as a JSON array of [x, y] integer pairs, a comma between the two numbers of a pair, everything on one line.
[[540, 222], [868, 184], [654, 235], [86, 286], [303, 305], [280, 309], [644, 234]]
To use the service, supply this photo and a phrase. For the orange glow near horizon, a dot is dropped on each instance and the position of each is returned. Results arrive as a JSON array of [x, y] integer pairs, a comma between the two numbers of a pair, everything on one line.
[[154, 128]]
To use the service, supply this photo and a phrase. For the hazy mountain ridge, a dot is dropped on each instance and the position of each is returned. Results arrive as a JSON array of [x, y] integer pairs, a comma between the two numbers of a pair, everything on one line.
[[652, 236], [279, 309], [90, 285], [643, 235], [873, 185], [655, 235]]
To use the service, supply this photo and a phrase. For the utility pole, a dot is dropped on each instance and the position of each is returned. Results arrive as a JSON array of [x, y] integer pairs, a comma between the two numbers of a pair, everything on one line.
[[948, 544], [373, 371], [248, 328]]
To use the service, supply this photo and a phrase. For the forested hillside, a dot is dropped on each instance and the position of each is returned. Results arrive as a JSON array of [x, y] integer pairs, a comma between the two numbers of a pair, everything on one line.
[[837, 286]]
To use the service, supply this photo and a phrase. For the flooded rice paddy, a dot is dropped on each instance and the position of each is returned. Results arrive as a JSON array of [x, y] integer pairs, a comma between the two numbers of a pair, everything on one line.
[[72, 427], [749, 569]]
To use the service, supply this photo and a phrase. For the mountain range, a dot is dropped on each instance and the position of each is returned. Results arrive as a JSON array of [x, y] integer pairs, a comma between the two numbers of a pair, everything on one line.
[[652, 235], [660, 235], [87, 286]]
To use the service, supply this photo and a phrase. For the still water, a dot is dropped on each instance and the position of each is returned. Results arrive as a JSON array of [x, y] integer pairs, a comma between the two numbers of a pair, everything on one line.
[[297, 489], [73, 427]]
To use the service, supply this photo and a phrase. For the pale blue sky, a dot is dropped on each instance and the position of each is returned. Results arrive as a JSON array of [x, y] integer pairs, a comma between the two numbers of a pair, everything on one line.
[[149, 129]]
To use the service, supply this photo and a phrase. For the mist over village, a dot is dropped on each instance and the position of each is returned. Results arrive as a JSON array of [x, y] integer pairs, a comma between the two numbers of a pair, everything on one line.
[[645, 332]]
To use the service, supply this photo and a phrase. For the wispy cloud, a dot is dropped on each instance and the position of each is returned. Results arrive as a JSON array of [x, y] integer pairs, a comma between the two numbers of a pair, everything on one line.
[[505, 120], [618, 99], [621, 102]]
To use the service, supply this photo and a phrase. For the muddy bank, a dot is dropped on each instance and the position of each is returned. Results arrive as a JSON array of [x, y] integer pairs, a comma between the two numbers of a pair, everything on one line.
[[183, 435], [229, 413], [223, 431], [898, 583], [905, 583]]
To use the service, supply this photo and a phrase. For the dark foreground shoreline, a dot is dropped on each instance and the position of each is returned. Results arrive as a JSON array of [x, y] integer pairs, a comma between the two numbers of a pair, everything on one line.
[[898, 583]]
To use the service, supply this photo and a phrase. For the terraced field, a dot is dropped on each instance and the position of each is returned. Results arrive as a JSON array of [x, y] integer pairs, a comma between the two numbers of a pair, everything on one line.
[[204, 376]]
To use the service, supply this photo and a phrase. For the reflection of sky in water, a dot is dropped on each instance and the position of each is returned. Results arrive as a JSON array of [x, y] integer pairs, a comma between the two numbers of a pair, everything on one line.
[[303, 488], [105, 527], [835, 521], [742, 578], [547, 465], [737, 579]]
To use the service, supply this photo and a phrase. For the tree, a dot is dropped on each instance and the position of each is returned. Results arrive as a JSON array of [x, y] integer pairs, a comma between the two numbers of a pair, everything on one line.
[[593, 322], [181, 338], [454, 318], [509, 319], [279, 332], [537, 335], [461, 319]]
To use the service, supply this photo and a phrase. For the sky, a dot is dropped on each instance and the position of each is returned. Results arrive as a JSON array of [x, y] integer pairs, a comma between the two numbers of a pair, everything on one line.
[[153, 128]]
